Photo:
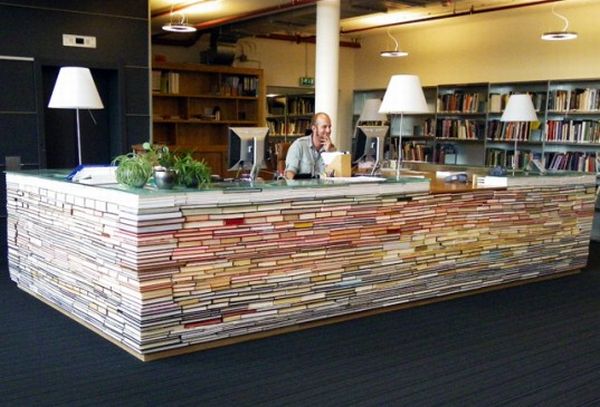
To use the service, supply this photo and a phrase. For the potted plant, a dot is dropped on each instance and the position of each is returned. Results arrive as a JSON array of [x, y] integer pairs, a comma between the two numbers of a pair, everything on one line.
[[133, 169], [191, 172], [163, 161]]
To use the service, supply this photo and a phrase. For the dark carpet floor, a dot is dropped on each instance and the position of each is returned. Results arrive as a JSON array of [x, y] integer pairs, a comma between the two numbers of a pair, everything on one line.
[[533, 345]]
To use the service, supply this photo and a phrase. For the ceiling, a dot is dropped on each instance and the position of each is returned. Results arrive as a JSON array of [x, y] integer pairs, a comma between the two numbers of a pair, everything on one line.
[[230, 20]]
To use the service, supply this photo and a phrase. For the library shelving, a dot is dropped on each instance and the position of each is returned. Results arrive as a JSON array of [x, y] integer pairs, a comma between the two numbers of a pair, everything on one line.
[[460, 123], [418, 129], [289, 112], [465, 120], [500, 136], [194, 104]]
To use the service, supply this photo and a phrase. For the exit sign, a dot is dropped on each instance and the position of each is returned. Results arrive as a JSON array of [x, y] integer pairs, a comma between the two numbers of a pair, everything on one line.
[[307, 81]]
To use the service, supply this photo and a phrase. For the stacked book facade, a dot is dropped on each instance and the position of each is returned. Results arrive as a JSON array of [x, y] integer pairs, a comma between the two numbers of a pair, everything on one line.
[[159, 272]]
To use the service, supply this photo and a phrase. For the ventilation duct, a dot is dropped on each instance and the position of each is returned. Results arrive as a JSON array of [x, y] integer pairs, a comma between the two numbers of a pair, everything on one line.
[[221, 51]]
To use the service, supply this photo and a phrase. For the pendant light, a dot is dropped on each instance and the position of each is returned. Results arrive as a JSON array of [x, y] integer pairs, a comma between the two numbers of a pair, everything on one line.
[[396, 52], [178, 23], [563, 35]]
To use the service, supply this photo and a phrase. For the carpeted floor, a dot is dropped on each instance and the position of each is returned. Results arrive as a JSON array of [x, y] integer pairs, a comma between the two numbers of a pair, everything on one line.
[[537, 345]]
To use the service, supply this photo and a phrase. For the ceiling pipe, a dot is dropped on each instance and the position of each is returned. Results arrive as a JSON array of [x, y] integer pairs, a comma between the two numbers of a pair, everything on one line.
[[263, 12], [469, 12], [311, 39]]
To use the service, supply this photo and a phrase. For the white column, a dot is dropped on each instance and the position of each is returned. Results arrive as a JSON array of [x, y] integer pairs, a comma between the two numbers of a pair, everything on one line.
[[327, 60]]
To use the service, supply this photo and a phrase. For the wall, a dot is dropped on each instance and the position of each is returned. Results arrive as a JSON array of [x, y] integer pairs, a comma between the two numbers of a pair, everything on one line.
[[497, 47], [31, 52]]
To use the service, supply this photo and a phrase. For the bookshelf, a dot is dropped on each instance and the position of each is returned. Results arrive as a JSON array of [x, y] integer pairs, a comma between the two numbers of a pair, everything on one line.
[[572, 125], [193, 105], [460, 123], [465, 120], [418, 130], [289, 112], [500, 136]]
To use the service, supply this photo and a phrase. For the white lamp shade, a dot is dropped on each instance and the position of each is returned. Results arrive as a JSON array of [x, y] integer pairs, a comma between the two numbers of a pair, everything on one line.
[[75, 89], [519, 109], [370, 111], [404, 94]]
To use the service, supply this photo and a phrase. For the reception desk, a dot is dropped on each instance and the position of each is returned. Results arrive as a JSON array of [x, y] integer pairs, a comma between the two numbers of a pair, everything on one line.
[[166, 272]]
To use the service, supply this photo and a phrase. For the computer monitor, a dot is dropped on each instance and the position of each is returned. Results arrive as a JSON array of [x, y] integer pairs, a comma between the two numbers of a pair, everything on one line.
[[246, 149], [369, 142]]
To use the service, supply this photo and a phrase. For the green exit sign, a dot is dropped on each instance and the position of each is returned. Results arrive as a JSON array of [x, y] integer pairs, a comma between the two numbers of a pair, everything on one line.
[[307, 81]]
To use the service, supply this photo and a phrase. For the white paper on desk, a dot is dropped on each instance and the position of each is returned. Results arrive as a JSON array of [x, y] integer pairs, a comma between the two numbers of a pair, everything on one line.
[[328, 157], [354, 179], [96, 175]]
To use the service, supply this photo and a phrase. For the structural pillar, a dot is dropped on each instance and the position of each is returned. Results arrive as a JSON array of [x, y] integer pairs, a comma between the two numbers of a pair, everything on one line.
[[327, 60]]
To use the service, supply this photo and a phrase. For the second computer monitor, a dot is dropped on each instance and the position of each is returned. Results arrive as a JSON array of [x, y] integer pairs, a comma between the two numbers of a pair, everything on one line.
[[369, 142]]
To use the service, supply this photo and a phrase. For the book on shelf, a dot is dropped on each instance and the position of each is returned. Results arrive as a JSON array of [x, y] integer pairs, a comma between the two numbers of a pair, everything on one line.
[[579, 99], [461, 129], [573, 131], [495, 103], [156, 80], [572, 161], [169, 82], [416, 151], [459, 101]]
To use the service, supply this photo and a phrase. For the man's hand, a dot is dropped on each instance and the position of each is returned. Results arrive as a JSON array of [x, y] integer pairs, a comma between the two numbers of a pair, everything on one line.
[[326, 144]]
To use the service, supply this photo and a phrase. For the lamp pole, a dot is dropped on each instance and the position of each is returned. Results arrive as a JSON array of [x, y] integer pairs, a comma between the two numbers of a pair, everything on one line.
[[399, 161]]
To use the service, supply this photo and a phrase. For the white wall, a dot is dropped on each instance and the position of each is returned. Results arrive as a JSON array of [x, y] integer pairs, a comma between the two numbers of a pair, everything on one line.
[[494, 47]]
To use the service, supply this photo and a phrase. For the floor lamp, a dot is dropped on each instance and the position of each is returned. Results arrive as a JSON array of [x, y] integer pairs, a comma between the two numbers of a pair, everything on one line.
[[404, 94], [518, 109], [75, 89]]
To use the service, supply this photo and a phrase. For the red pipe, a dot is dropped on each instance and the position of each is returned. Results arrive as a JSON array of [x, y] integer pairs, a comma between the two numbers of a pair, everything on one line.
[[311, 39]]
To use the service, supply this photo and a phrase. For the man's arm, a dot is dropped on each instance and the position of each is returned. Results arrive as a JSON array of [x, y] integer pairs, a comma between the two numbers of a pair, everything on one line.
[[292, 160]]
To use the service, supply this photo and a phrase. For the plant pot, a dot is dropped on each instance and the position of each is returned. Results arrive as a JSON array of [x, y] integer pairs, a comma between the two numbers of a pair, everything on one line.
[[165, 179], [192, 183], [132, 170]]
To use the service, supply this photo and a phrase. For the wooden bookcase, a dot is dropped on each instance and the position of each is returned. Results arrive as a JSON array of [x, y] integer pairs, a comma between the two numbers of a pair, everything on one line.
[[289, 112], [193, 106]]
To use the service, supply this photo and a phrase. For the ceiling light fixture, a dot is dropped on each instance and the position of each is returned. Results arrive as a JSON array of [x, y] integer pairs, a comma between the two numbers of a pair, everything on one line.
[[179, 23], [559, 35], [395, 53]]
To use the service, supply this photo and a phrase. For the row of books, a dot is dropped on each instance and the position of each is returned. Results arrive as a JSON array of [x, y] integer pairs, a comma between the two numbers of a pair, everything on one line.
[[498, 101], [554, 161], [239, 86], [424, 129], [573, 161], [463, 102], [573, 131], [504, 131], [165, 82], [445, 153], [301, 106], [580, 99], [499, 157], [461, 129], [289, 127], [413, 151]]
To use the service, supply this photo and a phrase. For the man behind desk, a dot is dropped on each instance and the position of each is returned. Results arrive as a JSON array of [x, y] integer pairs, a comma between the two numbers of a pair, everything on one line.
[[304, 159]]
